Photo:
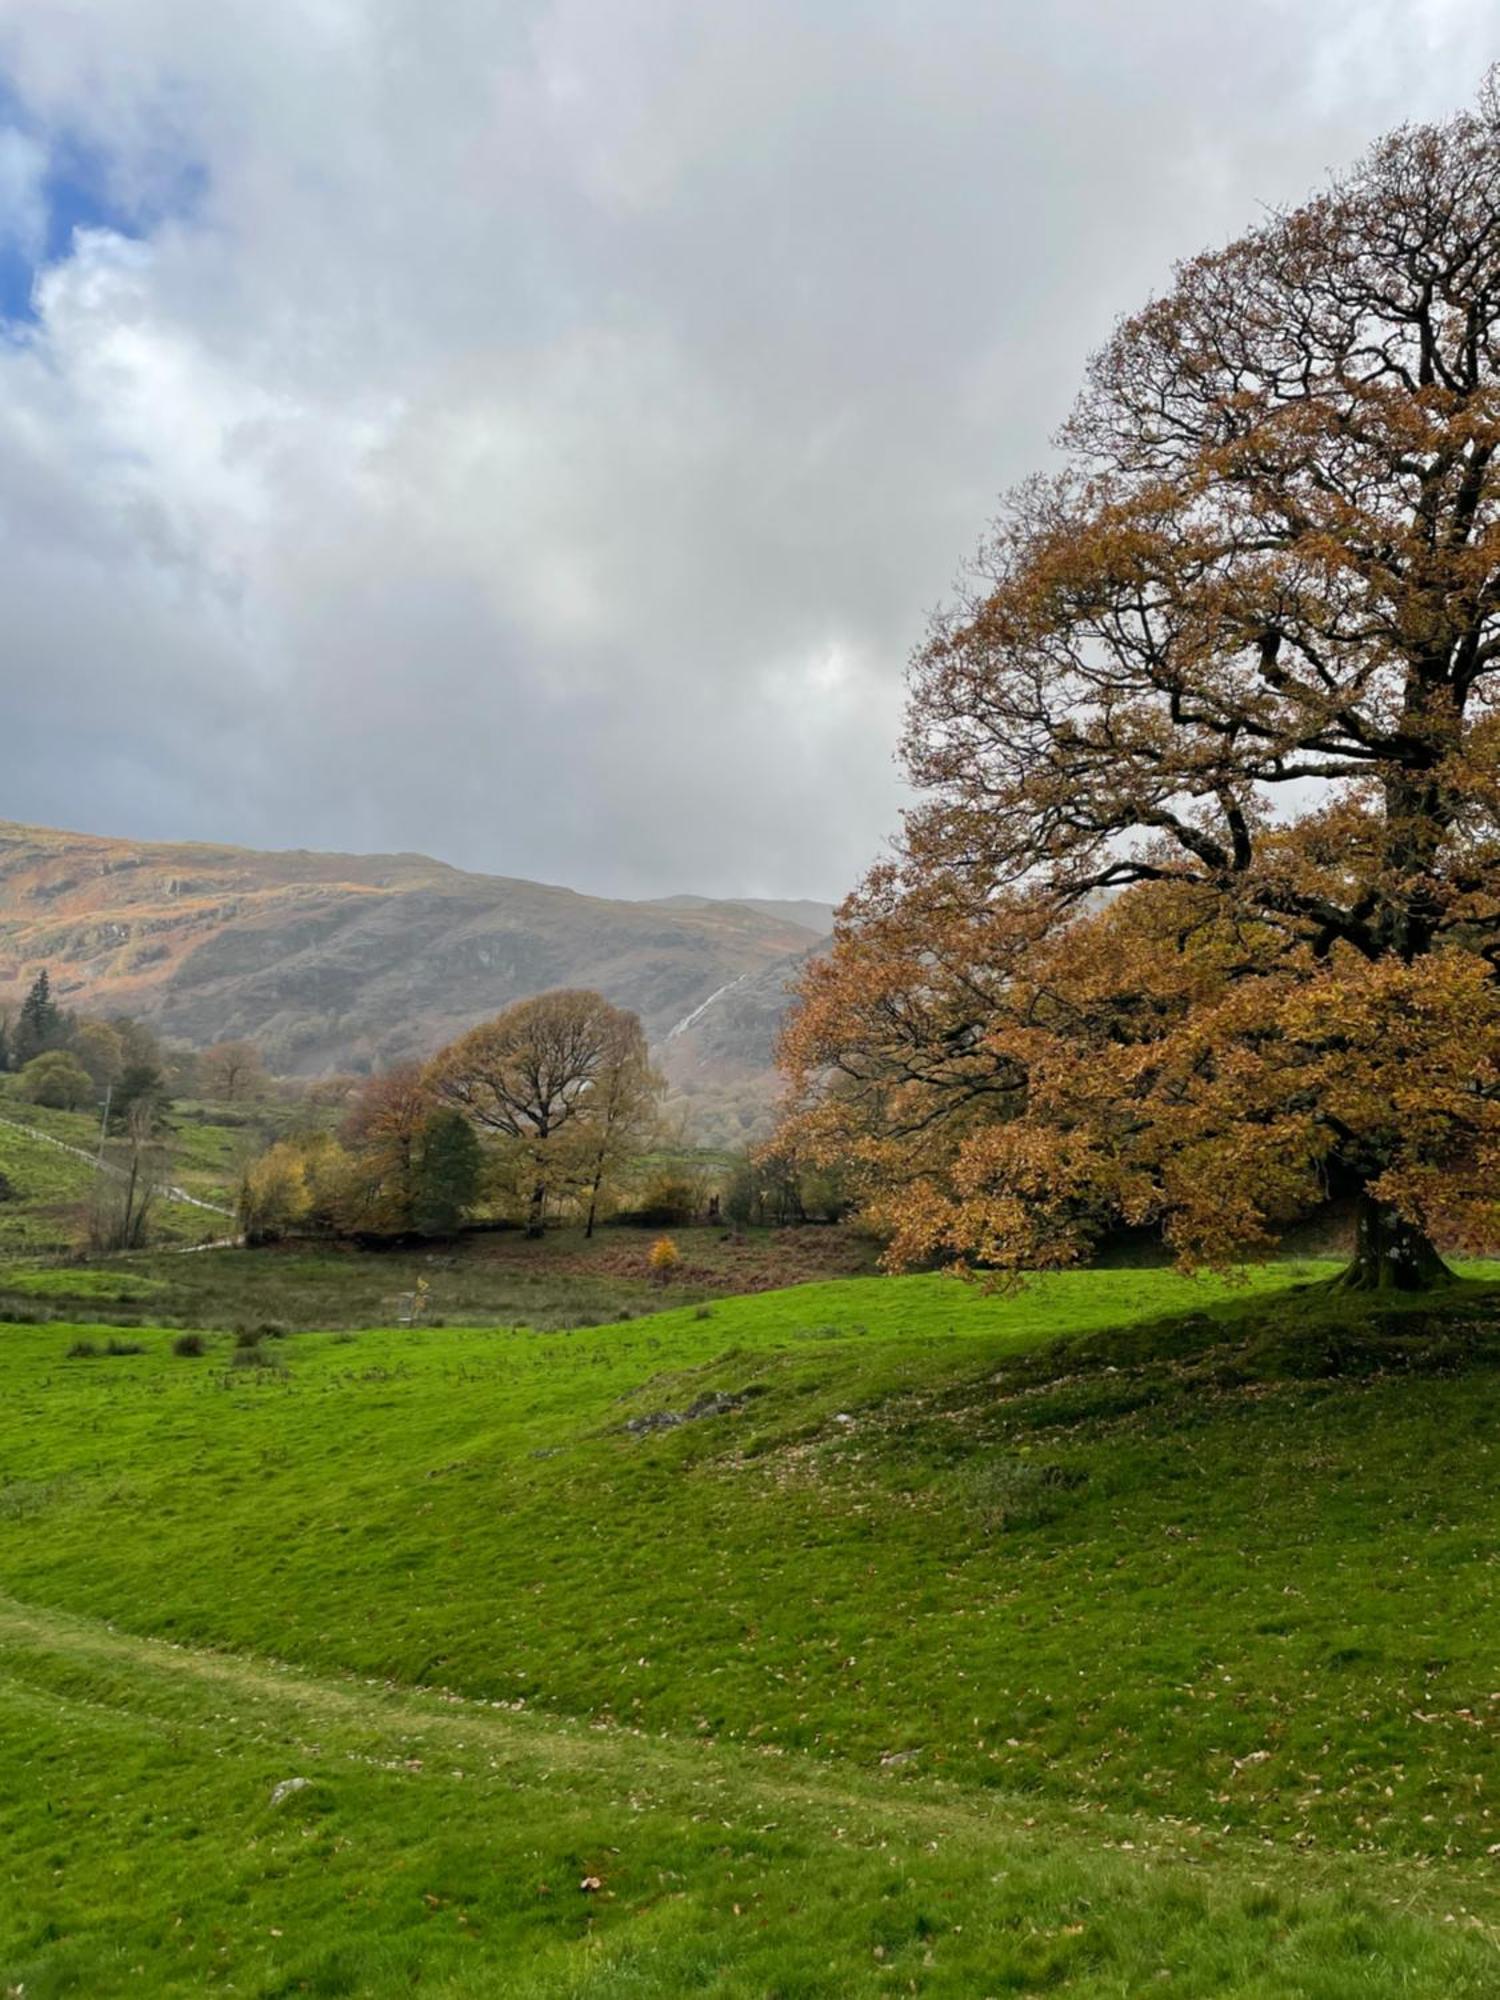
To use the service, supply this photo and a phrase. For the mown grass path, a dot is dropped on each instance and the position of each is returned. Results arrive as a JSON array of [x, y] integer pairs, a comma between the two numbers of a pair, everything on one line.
[[455, 1848]]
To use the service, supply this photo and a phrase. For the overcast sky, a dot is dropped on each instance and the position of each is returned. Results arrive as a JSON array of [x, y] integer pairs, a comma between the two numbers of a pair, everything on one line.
[[535, 434]]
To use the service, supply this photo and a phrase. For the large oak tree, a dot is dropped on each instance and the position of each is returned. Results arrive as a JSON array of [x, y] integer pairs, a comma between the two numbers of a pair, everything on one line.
[[1199, 911], [561, 1081]]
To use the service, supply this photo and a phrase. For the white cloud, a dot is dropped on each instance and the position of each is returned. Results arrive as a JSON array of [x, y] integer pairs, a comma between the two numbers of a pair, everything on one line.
[[541, 436]]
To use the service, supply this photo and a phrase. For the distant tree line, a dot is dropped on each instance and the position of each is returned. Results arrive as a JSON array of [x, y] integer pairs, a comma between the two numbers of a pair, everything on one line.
[[548, 1113], [119, 1070], [541, 1112], [69, 1061], [551, 1112]]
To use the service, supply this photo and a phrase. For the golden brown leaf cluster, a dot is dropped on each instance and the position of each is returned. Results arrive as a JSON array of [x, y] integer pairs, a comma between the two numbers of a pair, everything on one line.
[[1198, 913]]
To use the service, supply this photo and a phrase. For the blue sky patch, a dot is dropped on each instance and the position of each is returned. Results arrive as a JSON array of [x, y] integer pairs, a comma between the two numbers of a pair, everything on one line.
[[80, 191]]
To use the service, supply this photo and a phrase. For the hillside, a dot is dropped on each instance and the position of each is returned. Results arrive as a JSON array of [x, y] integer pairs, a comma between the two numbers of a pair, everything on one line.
[[916, 1655], [333, 960], [802, 910], [720, 1058], [48, 1174]]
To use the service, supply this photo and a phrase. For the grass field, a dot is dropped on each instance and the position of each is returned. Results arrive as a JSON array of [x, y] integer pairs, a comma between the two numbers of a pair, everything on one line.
[[496, 1279], [929, 1657], [49, 1189]]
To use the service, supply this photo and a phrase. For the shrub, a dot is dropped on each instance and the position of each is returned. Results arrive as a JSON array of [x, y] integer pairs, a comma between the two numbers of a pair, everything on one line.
[[58, 1080], [274, 1194], [248, 1336], [189, 1343], [253, 1357], [116, 1346], [1010, 1493], [665, 1259], [82, 1350], [667, 1198]]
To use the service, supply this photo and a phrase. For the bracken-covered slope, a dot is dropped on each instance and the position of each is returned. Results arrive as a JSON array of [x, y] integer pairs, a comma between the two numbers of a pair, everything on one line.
[[329, 960]]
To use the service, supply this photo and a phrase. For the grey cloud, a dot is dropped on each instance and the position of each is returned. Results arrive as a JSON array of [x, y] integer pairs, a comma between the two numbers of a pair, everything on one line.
[[541, 437]]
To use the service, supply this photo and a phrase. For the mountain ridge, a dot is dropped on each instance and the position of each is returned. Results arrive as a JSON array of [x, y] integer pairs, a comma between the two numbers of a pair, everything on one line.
[[807, 911], [338, 960]]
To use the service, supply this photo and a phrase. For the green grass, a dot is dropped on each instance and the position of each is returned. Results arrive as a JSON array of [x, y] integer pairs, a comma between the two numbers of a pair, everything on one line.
[[50, 1189], [442, 1848], [48, 1192], [206, 1143], [109, 1284], [959, 1662]]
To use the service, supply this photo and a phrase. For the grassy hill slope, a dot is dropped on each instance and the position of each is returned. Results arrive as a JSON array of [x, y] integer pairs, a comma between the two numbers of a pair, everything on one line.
[[1167, 1653], [443, 1848], [46, 1158]]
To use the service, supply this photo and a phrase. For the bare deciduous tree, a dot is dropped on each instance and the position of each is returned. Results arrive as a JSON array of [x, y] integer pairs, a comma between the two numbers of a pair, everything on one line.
[[127, 1184], [231, 1071]]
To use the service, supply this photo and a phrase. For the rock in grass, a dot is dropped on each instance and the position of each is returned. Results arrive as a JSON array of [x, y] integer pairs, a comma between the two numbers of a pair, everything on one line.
[[287, 1788], [716, 1403]]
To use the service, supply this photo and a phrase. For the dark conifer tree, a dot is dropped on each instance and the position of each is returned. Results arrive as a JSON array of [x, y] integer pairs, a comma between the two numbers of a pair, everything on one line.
[[140, 1084], [41, 1024], [449, 1164]]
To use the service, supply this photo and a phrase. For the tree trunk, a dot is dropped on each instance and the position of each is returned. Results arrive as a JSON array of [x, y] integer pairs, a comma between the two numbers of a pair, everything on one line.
[[536, 1221], [1390, 1254], [593, 1204]]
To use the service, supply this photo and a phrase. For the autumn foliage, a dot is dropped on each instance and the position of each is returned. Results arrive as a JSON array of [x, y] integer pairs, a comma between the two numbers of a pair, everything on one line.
[[562, 1086], [1197, 917], [664, 1260]]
